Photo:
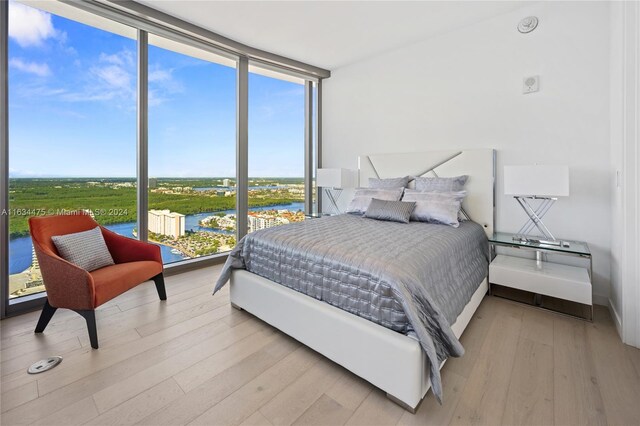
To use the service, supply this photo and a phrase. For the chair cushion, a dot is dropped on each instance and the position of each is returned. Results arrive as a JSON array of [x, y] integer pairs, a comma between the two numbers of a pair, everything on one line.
[[112, 281], [86, 249]]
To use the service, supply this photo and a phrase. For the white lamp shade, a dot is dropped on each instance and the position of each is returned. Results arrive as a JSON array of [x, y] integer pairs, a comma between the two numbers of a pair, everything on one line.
[[542, 181], [335, 178]]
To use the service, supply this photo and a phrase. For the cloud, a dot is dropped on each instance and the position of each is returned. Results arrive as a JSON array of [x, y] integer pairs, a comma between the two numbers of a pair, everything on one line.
[[124, 58], [29, 26], [159, 75], [114, 76], [41, 70]]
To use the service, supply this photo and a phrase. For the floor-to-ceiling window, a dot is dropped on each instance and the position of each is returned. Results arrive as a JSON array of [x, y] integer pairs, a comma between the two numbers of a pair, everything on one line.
[[72, 127], [276, 149], [192, 142], [81, 128]]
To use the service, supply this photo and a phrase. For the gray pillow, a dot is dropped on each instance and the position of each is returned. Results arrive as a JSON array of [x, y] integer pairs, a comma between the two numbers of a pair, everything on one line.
[[363, 197], [399, 182], [86, 249], [392, 211], [435, 207], [441, 184]]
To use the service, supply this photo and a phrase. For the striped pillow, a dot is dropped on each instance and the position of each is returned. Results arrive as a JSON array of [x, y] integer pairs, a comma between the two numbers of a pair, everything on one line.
[[392, 211], [86, 249]]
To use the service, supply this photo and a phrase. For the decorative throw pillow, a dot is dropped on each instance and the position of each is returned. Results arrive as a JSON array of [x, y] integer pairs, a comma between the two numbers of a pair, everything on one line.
[[363, 197], [86, 249], [392, 211], [441, 184], [399, 182], [435, 207]]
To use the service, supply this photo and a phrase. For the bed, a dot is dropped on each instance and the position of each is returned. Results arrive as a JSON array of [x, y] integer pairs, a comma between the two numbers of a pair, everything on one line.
[[387, 301]]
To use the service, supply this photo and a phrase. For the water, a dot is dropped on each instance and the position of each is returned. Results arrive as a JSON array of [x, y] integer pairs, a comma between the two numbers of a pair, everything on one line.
[[20, 249], [232, 188]]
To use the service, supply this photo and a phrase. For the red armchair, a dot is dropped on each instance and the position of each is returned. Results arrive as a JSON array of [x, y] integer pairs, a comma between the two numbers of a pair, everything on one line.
[[71, 287]]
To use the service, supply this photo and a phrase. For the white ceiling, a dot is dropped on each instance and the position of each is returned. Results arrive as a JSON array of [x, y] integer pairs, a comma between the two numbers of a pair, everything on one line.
[[331, 34]]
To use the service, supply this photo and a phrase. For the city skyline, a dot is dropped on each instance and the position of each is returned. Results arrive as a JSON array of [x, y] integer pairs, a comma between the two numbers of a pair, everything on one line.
[[72, 95]]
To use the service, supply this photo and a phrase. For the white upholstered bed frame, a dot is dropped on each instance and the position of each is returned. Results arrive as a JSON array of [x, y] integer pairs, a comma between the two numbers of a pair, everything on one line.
[[389, 360]]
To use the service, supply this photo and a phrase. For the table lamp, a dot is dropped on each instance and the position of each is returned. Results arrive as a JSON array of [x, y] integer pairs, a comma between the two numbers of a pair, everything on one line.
[[333, 181], [540, 185]]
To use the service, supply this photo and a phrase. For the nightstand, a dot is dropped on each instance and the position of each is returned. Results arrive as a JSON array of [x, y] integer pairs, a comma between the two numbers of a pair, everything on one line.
[[540, 277]]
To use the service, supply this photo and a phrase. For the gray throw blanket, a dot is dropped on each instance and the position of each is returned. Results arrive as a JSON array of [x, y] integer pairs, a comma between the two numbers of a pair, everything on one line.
[[430, 271]]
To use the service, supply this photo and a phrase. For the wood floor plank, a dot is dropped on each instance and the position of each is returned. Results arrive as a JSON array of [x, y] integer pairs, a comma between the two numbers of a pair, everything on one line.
[[350, 390], [20, 377], [135, 409], [294, 400], [537, 325], [118, 393], [18, 396], [184, 335], [77, 413], [23, 361], [189, 364], [256, 419], [616, 376], [197, 374], [242, 403], [205, 396], [484, 396], [577, 398], [99, 369], [473, 337], [530, 392], [430, 412], [634, 356], [324, 411], [375, 410]]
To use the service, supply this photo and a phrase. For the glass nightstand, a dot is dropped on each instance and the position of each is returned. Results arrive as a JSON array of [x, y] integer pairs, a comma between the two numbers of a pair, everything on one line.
[[539, 276]]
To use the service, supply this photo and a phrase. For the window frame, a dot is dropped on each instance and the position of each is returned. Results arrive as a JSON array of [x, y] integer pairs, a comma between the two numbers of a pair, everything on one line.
[[147, 20]]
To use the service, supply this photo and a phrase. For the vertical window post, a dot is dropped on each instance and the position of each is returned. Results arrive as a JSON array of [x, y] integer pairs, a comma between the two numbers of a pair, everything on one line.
[[242, 147], [4, 158], [318, 140], [143, 138], [308, 147]]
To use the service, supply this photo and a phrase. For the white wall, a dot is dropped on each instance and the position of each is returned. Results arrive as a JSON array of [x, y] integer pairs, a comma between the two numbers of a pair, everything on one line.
[[463, 89]]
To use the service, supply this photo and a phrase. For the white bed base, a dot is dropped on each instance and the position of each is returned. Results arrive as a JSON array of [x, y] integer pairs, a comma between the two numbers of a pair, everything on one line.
[[389, 360]]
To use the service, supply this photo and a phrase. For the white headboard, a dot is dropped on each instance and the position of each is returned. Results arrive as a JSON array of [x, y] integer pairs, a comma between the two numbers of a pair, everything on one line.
[[478, 164]]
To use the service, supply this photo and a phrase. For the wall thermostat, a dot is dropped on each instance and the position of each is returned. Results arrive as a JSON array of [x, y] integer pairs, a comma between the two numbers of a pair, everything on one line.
[[531, 84]]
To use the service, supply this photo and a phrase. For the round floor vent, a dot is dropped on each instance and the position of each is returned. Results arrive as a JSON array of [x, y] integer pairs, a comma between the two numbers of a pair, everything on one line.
[[44, 365]]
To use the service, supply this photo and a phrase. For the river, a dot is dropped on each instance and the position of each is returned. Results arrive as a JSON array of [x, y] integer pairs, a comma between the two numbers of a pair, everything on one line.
[[20, 249]]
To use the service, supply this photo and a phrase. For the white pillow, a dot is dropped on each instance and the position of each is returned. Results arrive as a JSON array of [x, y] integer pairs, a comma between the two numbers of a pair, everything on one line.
[[435, 207], [399, 182], [363, 196]]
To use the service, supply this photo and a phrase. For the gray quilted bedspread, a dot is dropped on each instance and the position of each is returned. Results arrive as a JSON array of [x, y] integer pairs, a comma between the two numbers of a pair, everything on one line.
[[414, 276]]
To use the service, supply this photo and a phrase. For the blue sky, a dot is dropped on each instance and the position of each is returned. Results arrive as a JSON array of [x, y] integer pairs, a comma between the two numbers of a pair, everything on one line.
[[72, 106]]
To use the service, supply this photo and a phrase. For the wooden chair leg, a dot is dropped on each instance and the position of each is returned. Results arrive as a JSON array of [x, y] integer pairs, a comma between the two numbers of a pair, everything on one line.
[[45, 316], [90, 317], [159, 280]]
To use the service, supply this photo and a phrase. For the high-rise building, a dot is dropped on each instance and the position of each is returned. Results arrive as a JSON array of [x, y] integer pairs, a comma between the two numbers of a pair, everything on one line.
[[166, 222], [153, 182], [225, 182]]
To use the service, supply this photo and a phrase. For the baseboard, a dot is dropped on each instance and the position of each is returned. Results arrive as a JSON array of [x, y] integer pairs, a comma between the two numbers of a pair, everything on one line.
[[600, 300], [616, 317]]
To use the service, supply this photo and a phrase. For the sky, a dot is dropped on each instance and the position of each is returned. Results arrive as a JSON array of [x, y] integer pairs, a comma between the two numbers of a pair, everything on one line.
[[72, 108]]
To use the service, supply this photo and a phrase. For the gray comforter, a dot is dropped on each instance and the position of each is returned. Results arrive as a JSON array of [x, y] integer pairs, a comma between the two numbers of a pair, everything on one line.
[[414, 276]]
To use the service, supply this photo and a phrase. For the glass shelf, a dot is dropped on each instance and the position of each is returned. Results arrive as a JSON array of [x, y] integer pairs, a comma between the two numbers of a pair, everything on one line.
[[575, 247]]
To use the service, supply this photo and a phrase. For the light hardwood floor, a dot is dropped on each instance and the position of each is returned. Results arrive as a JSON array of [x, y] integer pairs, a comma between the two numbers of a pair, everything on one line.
[[195, 360]]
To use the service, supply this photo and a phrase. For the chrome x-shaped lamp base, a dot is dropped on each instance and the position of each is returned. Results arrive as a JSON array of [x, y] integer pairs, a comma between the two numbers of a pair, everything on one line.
[[535, 220]]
